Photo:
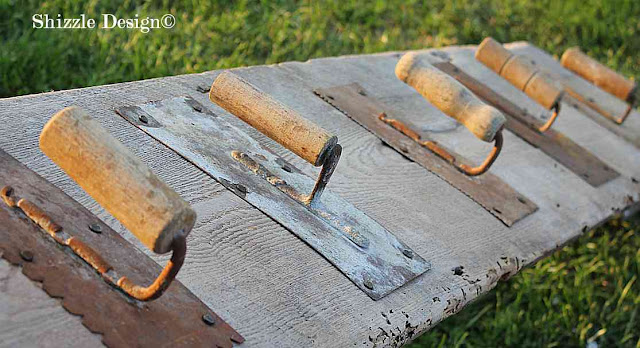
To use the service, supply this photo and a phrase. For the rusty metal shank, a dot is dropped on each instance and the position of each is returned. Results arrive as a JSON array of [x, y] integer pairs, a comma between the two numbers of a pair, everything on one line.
[[165, 278], [556, 111], [93, 258], [444, 154], [328, 167]]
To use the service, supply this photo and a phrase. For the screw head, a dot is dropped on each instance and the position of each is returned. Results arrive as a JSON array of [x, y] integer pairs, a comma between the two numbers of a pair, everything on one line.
[[408, 253], [26, 255], [95, 228], [208, 319], [241, 188], [143, 119], [368, 284]]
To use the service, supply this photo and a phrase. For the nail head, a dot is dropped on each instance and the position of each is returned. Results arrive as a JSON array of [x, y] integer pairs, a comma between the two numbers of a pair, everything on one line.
[[26, 255], [96, 228], [208, 319], [368, 284]]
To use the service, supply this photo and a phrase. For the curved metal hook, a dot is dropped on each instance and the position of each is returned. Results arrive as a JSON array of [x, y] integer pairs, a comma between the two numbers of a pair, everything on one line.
[[554, 116], [157, 288], [444, 154], [93, 258]]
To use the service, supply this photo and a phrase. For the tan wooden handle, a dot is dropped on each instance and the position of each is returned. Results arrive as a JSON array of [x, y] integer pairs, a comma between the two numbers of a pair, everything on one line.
[[598, 74], [272, 118], [519, 72], [116, 179], [451, 97]]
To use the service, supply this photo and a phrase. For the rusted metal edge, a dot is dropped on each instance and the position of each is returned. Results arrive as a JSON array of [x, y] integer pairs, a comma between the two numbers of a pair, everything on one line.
[[369, 255], [489, 191], [178, 318], [553, 143]]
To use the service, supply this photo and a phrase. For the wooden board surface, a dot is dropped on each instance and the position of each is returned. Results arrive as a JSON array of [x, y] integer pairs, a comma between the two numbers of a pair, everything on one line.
[[274, 289]]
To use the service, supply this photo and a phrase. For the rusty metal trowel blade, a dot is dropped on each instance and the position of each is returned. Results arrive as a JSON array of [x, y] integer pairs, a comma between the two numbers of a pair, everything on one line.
[[488, 190], [369, 255], [175, 319]]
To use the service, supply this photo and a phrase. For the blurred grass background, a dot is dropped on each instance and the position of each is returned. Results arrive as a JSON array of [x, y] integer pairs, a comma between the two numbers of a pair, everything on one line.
[[587, 294]]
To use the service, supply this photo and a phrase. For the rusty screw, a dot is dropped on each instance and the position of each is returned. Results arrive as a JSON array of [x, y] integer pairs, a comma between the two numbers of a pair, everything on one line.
[[208, 319], [26, 255], [143, 119], [95, 228]]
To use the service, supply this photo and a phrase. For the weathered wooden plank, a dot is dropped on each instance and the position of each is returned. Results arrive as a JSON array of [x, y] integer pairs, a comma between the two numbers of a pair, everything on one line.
[[274, 289], [30, 317]]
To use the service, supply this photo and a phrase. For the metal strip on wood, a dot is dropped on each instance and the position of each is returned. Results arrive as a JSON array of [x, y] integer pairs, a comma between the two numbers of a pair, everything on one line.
[[571, 155], [488, 190], [178, 318], [369, 255]]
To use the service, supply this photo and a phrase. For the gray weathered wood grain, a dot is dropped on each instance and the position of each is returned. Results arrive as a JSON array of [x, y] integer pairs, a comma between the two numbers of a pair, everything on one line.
[[30, 317], [274, 289]]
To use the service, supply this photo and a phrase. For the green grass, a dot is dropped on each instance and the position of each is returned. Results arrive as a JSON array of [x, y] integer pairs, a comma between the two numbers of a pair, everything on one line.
[[587, 292]]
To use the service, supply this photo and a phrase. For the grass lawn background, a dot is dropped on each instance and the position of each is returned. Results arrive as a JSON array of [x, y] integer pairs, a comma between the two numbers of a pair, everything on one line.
[[586, 293]]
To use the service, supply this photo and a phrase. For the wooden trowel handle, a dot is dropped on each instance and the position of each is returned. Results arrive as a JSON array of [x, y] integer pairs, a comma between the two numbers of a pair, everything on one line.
[[272, 118], [519, 72], [451, 97], [116, 179], [598, 74]]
